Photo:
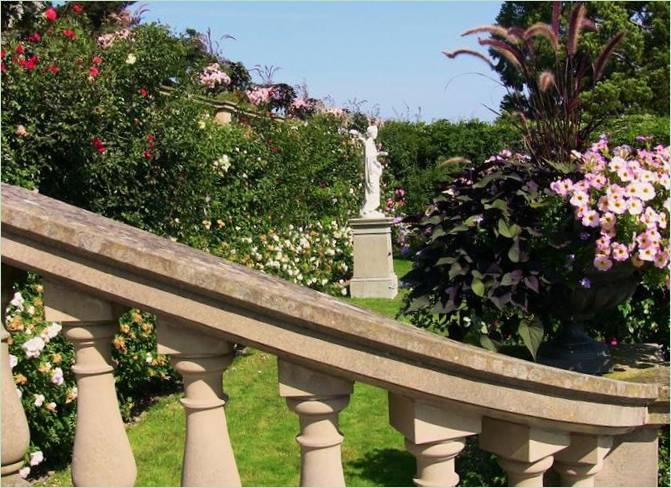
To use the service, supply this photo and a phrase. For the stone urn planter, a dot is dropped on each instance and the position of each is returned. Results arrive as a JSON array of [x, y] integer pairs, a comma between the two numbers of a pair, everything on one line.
[[573, 348]]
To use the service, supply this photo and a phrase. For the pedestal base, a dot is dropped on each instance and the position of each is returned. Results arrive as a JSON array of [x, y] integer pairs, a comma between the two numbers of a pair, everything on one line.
[[373, 261], [374, 287]]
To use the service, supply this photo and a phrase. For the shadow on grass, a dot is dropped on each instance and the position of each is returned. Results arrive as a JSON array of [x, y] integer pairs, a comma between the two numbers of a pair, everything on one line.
[[384, 467]]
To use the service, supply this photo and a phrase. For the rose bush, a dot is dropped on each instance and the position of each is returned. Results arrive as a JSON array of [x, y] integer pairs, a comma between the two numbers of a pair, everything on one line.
[[41, 360]]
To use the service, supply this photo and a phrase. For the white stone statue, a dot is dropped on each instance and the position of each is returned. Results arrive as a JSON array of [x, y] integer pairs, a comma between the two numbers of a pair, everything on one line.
[[372, 173]]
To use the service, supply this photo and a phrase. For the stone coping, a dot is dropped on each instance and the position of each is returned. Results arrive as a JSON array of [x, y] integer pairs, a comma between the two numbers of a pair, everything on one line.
[[370, 221], [138, 268]]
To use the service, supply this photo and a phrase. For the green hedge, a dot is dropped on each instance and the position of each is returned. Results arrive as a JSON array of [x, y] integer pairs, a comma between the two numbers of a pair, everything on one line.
[[417, 149]]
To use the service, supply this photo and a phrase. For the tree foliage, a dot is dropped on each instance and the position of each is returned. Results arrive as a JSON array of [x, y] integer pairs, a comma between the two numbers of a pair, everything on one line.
[[637, 78]]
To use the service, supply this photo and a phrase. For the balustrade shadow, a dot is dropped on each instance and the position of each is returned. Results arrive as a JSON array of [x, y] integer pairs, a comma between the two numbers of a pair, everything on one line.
[[383, 467]]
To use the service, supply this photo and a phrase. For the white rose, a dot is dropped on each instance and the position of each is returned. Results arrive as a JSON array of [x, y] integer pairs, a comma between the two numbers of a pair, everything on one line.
[[17, 301], [36, 458], [33, 347], [39, 400]]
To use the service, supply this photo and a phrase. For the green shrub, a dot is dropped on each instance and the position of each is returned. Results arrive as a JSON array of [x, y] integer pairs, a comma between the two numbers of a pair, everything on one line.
[[625, 129], [417, 149], [316, 255]]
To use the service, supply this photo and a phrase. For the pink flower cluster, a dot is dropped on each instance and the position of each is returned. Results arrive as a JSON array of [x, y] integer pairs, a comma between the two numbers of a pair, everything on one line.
[[212, 76], [624, 195], [299, 103], [106, 40], [337, 112], [259, 95]]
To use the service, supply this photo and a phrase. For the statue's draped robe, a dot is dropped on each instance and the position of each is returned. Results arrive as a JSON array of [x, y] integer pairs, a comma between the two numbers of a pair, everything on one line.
[[373, 171]]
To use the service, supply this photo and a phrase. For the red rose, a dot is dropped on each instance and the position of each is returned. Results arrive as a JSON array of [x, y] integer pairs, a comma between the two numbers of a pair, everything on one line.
[[97, 60], [76, 8], [4, 53], [147, 155], [143, 92], [35, 37], [50, 14], [53, 69], [70, 34], [151, 138], [98, 144], [93, 71], [19, 49], [29, 63]]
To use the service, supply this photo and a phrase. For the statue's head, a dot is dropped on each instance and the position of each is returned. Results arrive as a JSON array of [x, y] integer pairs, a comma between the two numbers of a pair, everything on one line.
[[372, 131]]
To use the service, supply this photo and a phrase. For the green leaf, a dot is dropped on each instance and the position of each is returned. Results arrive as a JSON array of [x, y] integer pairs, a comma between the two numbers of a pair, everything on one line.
[[488, 343], [531, 333], [486, 180], [457, 269], [478, 287], [509, 231], [437, 232], [472, 220], [514, 251], [499, 205], [504, 230], [447, 308], [457, 229], [418, 303]]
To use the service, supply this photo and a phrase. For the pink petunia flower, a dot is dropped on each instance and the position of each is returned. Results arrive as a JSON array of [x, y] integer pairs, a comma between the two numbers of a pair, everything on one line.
[[620, 252], [602, 263], [590, 218]]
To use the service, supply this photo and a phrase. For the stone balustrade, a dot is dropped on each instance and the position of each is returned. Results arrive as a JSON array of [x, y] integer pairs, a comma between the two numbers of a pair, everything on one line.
[[540, 422]]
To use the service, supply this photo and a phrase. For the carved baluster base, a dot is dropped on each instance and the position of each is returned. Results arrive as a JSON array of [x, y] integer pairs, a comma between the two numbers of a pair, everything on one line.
[[317, 399], [579, 463], [201, 360], [434, 434], [525, 453], [102, 455]]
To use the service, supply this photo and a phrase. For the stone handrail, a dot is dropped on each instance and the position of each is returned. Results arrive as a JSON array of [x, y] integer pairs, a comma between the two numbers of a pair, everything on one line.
[[440, 391]]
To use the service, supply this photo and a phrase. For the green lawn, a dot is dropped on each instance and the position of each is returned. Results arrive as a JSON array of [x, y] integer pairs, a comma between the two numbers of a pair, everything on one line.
[[383, 306], [262, 428], [262, 431]]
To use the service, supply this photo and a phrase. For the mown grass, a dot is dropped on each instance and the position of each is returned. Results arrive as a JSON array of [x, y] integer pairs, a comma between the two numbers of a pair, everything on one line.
[[263, 430]]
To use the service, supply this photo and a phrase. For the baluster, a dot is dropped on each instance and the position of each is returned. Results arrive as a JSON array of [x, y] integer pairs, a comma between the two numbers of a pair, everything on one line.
[[102, 455], [201, 360], [317, 398], [15, 433], [579, 463], [434, 435], [525, 453]]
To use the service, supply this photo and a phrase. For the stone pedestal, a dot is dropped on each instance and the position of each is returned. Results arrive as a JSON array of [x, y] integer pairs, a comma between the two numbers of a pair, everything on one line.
[[373, 261]]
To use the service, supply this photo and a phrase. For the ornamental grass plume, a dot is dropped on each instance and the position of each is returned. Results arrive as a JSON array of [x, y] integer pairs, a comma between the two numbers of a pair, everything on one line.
[[550, 113]]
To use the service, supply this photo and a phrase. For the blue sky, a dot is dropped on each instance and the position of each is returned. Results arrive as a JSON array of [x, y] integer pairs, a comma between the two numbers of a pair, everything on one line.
[[387, 53]]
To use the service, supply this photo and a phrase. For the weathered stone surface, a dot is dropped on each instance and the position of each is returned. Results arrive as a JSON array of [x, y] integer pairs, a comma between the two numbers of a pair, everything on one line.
[[632, 460], [135, 268], [374, 275], [644, 363]]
